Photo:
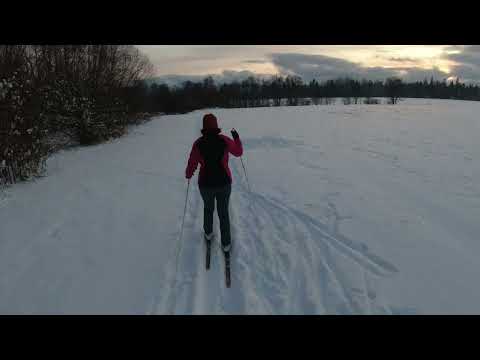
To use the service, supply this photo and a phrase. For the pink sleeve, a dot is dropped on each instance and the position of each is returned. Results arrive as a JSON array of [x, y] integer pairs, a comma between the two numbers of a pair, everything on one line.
[[193, 161], [235, 147]]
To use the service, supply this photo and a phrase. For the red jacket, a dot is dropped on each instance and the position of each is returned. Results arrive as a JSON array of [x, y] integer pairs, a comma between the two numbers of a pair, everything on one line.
[[201, 151]]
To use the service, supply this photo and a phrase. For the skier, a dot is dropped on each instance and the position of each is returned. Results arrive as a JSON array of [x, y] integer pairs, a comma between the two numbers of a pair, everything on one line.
[[211, 151]]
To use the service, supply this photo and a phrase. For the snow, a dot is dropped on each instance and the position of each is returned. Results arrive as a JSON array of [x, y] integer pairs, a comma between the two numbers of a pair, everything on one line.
[[359, 209]]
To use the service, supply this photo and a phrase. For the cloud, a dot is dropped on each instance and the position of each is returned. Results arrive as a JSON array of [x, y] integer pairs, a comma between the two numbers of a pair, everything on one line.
[[174, 80], [255, 61], [467, 63], [419, 74], [321, 67], [403, 60], [228, 76]]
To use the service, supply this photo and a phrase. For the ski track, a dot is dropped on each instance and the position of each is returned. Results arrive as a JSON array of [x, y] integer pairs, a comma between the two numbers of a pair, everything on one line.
[[283, 262]]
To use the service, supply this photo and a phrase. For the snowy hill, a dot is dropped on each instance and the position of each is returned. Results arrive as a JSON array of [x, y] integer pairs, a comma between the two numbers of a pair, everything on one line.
[[361, 209]]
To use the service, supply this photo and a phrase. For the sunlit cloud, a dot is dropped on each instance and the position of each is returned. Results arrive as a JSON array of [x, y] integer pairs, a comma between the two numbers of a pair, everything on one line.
[[466, 62], [323, 68]]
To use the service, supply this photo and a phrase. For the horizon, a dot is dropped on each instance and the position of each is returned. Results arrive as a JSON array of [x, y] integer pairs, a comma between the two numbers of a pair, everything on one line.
[[174, 64], [219, 79]]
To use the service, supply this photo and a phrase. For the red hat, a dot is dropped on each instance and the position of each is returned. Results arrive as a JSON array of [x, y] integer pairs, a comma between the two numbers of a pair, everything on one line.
[[210, 123]]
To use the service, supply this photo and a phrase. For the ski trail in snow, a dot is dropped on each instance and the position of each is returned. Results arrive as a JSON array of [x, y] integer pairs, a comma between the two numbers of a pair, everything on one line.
[[283, 262]]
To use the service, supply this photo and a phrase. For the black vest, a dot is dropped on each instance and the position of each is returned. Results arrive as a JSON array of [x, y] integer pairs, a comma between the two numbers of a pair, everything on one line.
[[212, 148]]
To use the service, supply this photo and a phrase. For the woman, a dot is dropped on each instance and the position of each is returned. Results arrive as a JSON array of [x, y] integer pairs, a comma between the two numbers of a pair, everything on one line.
[[211, 152]]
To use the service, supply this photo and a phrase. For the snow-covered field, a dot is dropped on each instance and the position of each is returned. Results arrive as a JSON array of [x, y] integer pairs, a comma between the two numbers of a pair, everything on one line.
[[360, 209]]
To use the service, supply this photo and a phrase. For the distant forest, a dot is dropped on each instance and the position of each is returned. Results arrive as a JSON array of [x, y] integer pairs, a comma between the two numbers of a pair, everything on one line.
[[289, 91]]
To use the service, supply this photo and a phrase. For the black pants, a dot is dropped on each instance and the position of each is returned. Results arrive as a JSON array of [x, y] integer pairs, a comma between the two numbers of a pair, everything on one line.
[[222, 195]]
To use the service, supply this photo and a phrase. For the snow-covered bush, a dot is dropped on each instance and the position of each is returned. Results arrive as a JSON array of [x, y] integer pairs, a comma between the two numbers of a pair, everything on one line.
[[22, 153], [68, 90], [89, 119]]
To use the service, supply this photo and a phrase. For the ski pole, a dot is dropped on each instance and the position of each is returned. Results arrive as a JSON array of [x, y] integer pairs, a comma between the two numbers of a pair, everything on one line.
[[246, 177], [184, 211], [180, 242], [181, 232], [244, 171]]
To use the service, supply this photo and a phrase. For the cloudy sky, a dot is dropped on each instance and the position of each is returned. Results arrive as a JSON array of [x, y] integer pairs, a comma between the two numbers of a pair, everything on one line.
[[175, 63]]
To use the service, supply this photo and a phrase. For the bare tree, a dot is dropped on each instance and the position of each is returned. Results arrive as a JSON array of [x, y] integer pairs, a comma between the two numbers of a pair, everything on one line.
[[393, 88]]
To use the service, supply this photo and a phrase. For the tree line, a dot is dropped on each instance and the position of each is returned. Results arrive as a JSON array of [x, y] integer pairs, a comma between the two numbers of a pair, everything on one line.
[[291, 91]]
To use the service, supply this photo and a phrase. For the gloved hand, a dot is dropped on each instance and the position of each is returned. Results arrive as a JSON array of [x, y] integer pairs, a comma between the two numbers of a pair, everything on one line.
[[234, 134]]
